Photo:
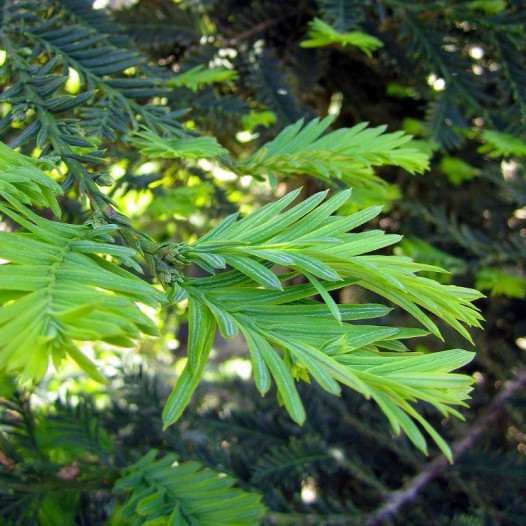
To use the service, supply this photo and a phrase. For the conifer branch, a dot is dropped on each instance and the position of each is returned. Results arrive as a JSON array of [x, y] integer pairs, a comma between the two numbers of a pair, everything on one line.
[[414, 487]]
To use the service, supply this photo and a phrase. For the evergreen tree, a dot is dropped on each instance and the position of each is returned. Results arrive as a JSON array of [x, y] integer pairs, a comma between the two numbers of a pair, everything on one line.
[[188, 113]]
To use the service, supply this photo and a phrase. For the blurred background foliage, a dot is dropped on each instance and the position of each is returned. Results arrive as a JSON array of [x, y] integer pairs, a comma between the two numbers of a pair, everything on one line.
[[451, 73]]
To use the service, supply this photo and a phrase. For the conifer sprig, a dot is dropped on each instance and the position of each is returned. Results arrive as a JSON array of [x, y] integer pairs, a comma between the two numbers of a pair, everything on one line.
[[290, 336]]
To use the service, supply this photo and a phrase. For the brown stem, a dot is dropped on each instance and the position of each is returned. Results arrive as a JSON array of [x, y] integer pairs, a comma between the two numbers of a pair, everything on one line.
[[256, 29], [398, 499]]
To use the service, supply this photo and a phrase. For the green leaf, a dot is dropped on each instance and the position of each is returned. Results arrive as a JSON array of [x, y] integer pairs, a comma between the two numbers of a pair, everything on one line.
[[201, 336], [200, 319], [327, 298], [498, 144], [256, 271], [225, 322], [259, 366], [66, 291], [182, 493], [346, 154], [85, 364], [282, 376], [500, 282], [152, 145], [199, 76], [457, 170], [322, 34]]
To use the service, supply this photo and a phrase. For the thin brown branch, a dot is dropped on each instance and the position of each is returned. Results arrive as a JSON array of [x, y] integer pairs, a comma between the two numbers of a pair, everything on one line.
[[258, 28], [398, 499]]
